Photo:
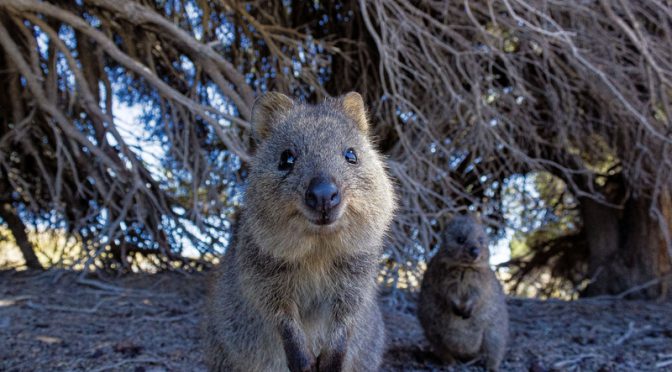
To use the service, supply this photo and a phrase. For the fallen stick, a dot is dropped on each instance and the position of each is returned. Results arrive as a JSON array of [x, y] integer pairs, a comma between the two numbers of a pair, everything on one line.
[[664, 363], [574, 360], [10, 301], [629, 333], [69, 309]]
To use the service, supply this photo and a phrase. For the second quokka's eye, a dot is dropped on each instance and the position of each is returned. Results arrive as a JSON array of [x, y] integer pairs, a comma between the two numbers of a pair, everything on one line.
[[287, 159], [461, 240], [350, 156]]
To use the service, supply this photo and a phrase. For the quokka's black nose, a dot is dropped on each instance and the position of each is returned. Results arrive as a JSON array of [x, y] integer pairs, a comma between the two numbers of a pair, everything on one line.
[[322, 195], [474, 252]]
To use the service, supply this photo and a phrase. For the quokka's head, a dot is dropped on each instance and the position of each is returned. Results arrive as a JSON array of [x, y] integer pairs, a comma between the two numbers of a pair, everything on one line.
[[315, 176], [465, 241]]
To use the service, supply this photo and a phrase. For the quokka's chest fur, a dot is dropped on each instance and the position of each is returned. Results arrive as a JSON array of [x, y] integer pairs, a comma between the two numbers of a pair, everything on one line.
[[310, 283], [464, 281]]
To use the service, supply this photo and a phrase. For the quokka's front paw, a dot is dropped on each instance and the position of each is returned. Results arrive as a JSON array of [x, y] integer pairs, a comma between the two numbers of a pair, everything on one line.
[[330, 362], [332, 357], [302, 362]]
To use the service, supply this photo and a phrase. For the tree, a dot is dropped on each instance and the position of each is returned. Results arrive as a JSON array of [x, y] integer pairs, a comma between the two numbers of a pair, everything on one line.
[[466, 99], [194, 66], [580, 91]]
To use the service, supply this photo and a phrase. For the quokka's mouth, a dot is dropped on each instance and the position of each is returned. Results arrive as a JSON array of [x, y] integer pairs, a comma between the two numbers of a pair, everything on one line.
[[323, 223], [469, 262], [324, 220]]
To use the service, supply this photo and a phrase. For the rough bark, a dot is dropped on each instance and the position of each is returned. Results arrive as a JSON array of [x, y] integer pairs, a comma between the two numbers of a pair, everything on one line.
[[9, 214], [628, 248]]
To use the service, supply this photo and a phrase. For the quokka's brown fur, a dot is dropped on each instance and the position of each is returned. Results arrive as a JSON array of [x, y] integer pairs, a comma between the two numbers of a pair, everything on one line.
[[297, 289], [462, 306]]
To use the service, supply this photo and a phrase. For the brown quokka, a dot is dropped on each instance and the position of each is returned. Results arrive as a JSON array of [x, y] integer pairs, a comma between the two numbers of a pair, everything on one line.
[[462, 306], [297, 289]]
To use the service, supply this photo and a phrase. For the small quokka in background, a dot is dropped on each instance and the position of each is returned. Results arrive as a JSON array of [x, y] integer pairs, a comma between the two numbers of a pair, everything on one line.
[[462, 307], [297, 288]]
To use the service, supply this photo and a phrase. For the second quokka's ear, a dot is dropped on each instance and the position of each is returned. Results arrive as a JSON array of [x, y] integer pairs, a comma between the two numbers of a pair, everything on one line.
[[268, 109], [477, 217], [353, 105]]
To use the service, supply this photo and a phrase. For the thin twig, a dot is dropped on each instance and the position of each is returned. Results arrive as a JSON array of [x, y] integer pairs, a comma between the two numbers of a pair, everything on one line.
[[574, 360]]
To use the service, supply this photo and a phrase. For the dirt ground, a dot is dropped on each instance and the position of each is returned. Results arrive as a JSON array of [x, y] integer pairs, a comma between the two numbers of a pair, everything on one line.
[[55, 321]]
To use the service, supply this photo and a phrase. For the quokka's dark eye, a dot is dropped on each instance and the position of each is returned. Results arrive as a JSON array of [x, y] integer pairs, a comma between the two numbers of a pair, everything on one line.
[[287, 159], [350, 156], [461, 240]]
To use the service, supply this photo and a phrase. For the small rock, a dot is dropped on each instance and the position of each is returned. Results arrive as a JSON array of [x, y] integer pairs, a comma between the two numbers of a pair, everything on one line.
[[536, 366], [128, 348], [606, 368]]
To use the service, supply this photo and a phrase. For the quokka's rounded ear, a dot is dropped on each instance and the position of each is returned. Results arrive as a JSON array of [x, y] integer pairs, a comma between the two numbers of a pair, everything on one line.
[[477, 217], [353, 105], [268, 109]]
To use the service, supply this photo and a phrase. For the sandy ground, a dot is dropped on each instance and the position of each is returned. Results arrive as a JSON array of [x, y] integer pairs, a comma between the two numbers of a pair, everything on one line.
[[53, 321]]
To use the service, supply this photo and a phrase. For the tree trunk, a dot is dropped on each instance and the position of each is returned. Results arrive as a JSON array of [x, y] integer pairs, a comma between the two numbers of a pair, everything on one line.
[[629, 247], [9, 214]]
